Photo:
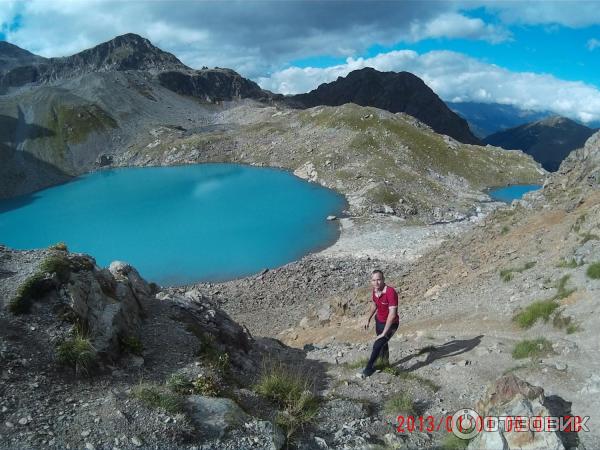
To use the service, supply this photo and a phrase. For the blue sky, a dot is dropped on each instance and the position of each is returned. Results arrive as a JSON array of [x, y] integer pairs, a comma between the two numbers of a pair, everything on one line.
[[541, 55]]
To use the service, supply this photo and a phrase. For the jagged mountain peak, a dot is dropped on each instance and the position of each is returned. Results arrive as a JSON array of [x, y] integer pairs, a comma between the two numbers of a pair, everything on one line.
[[394, 92], [126, 52]]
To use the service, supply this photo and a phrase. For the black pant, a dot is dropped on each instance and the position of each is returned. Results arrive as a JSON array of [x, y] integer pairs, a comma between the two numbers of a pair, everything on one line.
[[380, 347]]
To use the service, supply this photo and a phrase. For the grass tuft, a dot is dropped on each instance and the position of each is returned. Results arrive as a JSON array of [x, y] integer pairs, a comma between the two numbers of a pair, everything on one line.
[[57, 264], [77, 352], [293, 393], [155, 396], [34, 287], [179, 384], [507, 274], [561, 288], [399, 403], [541, 309], [568, 264], [593, 271], [453, 442], [205, 385], [532, 348]]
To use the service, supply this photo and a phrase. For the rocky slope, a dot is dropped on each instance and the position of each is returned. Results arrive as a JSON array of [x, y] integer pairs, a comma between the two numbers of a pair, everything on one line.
[[96, 358], [548, 141], [394, 92], [514, 294]]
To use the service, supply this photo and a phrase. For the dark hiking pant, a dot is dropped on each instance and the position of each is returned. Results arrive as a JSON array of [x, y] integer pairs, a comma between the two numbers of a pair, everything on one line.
[[380, 347]]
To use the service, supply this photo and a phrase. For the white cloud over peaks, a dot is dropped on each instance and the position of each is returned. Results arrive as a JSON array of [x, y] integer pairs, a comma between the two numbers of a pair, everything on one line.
[[457, 77], [453, 25]]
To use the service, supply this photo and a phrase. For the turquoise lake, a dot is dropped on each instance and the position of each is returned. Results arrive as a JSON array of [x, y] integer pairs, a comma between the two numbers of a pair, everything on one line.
[[510, 193], [178, 225]]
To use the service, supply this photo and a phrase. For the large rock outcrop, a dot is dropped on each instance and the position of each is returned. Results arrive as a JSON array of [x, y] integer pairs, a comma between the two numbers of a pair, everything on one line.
[[511, 396], [104, 305]]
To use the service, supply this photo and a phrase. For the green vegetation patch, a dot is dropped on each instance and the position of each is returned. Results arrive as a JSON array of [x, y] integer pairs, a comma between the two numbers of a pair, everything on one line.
[[34, 287], [593, 271], [73, 123], [38, 284], [453, 442], [399, 403], [156, 396], [57, 264], [203, 385], [77, 352], [588, 237], [293, 393], [532, 348], [507, 274], [541, 309], [568, 263]]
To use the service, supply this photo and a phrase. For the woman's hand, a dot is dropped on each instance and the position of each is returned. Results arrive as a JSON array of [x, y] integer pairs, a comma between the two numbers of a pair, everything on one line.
[[367, 324]]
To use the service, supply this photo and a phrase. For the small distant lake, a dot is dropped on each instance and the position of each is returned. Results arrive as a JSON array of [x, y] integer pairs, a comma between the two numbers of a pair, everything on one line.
[[510, 193], [178, 225]]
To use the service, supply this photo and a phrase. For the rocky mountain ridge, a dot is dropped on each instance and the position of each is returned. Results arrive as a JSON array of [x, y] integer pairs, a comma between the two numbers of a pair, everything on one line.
[[394, 92]]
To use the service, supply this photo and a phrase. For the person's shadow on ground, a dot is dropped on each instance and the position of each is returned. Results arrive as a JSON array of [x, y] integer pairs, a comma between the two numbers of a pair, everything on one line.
[[452, 348]]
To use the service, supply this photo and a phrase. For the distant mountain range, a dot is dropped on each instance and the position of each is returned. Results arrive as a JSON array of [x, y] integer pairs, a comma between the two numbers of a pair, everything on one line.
[[548, 141], [488, 118]]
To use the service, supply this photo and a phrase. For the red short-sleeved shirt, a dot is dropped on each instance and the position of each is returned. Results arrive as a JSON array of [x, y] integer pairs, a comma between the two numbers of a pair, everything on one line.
[[387, 299]]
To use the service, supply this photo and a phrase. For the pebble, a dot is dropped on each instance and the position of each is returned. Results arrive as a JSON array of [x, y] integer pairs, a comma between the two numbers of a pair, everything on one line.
[[8, 424], [85, 433], [89, 446], [23, 421], [136, 441]]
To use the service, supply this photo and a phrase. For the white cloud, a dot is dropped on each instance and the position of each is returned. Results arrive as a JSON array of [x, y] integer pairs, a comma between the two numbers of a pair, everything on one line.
[[459, 78], [252, 37], [592, 44], [453, 25]]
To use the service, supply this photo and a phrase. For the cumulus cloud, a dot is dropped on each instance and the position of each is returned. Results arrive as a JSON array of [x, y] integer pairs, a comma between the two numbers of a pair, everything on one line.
[[458, 78], [592, 44], [253, 38], [453, 25]]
